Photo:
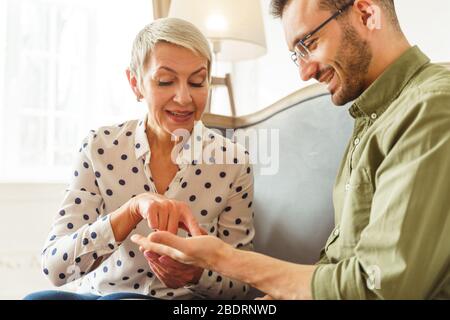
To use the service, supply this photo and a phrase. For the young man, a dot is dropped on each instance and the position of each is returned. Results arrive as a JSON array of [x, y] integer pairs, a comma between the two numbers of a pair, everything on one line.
[[392, 213]]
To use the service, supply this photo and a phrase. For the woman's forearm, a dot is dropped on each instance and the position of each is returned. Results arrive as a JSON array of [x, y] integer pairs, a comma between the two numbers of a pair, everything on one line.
[[124, 220]]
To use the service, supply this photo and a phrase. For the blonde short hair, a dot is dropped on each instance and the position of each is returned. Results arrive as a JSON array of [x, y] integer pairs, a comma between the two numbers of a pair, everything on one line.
[[171, 30]]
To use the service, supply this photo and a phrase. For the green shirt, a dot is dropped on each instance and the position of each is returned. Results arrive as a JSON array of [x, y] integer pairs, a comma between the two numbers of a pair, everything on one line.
[[392, 193]]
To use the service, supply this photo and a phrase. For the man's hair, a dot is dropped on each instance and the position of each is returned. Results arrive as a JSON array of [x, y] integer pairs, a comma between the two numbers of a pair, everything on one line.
[[278, 6]]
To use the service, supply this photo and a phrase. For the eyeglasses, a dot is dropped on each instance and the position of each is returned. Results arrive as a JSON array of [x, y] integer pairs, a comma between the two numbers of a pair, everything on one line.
[[301, 50]]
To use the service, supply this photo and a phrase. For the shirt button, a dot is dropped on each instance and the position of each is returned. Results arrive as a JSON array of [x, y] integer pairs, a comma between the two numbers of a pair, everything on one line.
[[347, 187], [357, 141], [336, 232], [374, 116]]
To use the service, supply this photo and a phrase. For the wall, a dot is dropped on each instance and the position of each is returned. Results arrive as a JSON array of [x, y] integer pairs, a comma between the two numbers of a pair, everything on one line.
[[26, 212]]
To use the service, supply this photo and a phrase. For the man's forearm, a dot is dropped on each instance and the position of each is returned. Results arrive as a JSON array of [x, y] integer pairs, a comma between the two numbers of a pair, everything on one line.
[[279, 279]]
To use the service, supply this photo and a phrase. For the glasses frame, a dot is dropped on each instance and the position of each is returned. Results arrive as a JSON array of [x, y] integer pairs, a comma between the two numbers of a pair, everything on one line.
[[297, 54]]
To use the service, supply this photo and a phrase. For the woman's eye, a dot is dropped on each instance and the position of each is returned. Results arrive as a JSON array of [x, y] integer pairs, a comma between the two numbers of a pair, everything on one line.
[[164, 83], [197, 85]]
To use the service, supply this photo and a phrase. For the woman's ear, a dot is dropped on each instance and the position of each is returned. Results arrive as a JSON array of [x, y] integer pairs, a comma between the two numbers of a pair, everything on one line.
[[133, 84]]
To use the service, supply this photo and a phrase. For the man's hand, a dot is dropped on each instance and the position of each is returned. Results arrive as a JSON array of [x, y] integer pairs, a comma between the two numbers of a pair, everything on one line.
[[201, 251], [164, 214]]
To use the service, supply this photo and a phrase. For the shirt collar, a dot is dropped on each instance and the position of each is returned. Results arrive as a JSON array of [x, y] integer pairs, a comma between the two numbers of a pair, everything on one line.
[[189, 152], [141, 146], [377, 98]]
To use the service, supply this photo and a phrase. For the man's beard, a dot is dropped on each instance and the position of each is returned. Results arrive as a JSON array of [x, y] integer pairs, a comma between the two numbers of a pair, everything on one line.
[[354, 56]]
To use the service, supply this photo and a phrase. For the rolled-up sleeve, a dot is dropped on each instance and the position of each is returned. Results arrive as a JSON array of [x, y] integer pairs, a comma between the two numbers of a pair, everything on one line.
[[403, 252]]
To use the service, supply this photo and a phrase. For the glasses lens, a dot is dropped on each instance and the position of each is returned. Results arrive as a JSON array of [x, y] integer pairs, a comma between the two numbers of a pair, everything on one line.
[[302, 52]]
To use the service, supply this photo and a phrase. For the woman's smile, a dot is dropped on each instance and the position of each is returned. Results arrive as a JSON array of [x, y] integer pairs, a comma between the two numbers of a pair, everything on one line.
[[180, 117]]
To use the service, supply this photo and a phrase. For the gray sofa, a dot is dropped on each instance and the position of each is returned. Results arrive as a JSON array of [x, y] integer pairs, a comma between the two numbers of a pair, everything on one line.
[[293, 208]]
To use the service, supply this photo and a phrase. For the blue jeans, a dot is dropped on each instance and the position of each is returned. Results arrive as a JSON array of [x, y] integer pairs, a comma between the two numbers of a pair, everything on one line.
[[62, 295]]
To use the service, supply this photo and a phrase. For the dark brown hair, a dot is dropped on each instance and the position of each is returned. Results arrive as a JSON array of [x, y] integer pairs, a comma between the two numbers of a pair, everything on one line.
[[277, 7]]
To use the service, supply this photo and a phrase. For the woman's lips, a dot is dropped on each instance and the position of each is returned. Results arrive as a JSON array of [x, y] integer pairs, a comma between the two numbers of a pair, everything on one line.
[[179, 117]]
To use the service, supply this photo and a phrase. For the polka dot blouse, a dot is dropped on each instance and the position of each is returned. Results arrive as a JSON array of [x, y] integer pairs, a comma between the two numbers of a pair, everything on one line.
[[112, 167]]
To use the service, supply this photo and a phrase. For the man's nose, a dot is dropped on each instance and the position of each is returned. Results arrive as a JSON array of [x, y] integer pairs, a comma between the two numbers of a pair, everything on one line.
[[183, 95], [307, 69]]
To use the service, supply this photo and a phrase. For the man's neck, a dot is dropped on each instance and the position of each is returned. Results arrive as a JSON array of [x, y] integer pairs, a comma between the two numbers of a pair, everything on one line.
[[384, 56]]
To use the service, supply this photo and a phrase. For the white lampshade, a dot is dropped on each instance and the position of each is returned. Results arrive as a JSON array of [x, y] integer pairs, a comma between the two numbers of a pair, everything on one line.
[[235, 27]]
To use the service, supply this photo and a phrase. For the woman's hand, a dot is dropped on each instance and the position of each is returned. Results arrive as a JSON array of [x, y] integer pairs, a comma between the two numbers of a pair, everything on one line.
[[168, 215], [173, 273], [164, 214], [266, 297]]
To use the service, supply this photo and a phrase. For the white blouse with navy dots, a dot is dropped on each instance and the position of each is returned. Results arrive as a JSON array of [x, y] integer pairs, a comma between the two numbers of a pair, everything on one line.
[[113, 166]]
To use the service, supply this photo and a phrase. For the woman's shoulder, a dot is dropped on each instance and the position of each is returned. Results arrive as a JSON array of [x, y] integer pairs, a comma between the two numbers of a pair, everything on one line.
[[226, 141], [111, 135]]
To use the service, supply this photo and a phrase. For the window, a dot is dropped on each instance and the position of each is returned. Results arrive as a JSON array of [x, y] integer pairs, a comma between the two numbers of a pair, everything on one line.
[[62, 73]]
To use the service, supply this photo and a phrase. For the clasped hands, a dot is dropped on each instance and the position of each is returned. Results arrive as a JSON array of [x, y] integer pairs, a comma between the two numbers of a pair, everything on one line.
[[179, 261], [167, 216]]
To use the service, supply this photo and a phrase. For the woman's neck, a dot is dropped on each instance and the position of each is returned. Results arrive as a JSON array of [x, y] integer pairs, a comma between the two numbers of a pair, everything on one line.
[[160, 141]]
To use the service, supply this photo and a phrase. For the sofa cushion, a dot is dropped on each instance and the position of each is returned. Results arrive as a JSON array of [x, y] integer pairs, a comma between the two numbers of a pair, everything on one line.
[[293, 208]]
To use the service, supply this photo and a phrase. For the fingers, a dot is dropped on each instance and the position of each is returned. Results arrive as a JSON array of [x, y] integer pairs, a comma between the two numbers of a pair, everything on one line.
[[151, 255], [174, 265], [168, 239], [163, 215], [159, 248], [169, 279], [153, 215], [167, 215], [189, 220], [162, 269], [203, 232], [266, 297], [174, 218], [142, 241], [173, 274]]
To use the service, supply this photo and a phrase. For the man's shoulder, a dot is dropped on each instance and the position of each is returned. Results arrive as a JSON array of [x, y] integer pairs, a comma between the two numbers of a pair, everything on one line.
[[432, 79], [427, 93]]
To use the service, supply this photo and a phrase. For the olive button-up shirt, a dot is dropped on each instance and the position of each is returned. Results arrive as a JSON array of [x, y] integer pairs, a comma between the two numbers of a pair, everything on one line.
[[392, 193]]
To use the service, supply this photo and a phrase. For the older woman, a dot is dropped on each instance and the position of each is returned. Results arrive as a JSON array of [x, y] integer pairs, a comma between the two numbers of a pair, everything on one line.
[[130, 179]]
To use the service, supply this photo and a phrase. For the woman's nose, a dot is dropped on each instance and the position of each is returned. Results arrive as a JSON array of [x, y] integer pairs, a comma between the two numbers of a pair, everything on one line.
[[183, 95]]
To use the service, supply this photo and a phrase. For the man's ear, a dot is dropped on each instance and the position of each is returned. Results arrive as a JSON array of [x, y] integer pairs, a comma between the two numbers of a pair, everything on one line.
[[370, 14], [133, 84]]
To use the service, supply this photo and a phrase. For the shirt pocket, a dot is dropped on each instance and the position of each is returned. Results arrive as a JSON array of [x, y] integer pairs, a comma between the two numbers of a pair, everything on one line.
[[357, 207]]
